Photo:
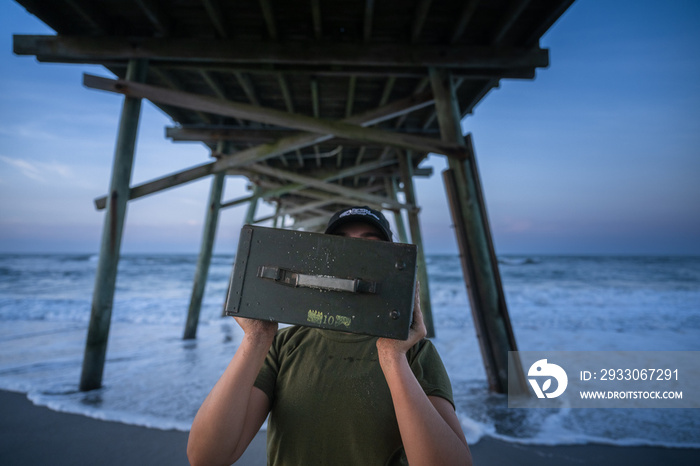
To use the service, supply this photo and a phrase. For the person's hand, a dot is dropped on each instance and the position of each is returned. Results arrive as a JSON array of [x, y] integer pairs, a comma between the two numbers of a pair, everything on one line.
[[262, 330], [417, 331]]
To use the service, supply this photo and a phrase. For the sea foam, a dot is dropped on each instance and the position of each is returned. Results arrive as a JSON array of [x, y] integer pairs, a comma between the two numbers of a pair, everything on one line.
[[153, 378]]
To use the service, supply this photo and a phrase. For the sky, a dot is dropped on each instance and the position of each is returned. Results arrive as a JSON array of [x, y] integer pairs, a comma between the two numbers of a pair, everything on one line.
[[599, 154]]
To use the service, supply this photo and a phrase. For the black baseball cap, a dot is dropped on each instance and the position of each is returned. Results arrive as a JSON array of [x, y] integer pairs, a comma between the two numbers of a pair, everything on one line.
[[360, 214]]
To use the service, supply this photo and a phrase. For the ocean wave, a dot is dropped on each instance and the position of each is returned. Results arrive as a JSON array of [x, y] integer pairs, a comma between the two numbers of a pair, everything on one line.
[[518, 261], [154, 379]]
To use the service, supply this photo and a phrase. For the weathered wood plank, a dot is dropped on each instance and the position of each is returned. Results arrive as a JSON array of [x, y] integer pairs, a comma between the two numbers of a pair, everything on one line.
[[316, 16], [264, 135], [269, 16], [328, 187], [300, 209], [200, 50], [270, 116], [204, 259], [406, 168], [156, 15], [419, 19], [464, 18], [367, 23], [265, 151], [216, 16], [334, 176], [168, 181], [479, 264], [235, 202], [110, 246], [350, 102]]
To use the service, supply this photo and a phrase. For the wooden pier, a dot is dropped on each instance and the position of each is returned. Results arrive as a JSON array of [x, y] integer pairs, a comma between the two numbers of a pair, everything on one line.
[[318, 104]]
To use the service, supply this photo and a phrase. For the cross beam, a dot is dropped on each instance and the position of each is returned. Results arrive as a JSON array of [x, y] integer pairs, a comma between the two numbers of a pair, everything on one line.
[[228, 108], [328, 187], [266, 151], [91, 49]]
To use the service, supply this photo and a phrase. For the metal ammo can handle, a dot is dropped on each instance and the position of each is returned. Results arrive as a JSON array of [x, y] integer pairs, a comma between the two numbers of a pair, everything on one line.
[[322, 282]]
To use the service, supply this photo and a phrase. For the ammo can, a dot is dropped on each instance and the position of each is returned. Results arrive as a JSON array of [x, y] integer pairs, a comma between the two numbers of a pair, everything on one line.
[[330, 282]]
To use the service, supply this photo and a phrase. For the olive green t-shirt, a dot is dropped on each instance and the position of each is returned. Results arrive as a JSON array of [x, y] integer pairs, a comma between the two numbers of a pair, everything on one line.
[[330, 403]]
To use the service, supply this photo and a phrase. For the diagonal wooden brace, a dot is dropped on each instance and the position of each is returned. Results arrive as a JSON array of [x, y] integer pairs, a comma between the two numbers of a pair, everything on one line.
[[266, 151], [228, 108]]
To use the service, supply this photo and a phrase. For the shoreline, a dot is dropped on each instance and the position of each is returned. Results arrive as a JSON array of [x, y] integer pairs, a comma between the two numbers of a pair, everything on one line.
[[38, 435]]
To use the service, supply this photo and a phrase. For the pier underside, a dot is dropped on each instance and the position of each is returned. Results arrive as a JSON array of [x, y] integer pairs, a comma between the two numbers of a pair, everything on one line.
[[319, 105]]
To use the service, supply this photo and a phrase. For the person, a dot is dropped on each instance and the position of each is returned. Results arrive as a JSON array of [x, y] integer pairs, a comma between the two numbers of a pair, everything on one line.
[[332, 397]]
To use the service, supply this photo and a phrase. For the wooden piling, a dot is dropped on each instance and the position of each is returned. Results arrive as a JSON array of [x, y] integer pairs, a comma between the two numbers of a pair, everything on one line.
[[106, 273], [398, 218], [253, 206], [406, 168], [479, 264], [205, 253]]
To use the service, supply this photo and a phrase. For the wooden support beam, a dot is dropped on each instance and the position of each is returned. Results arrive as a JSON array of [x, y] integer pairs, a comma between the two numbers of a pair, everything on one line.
[[265, 151], [277, 217], [204, 259], [316, 18], [247, 86], [99, 24], [325, 186], [422, 84], [200, 51], [479, 264], [216, 16], [176, 85], [431, 117], [398, 217], [367, 24], [406, 167], [469, 105], [269, 18], [270, 116], [419, 19], [156, 15], [302, 208], [464, 18], [235, 202], [106, 273], [216, 86], [358, 160], [388, 87], [321, 70], [339, 158], [253, 206], [289, 105], [316, 111], [334, 176], [317, 157], [512, 13], [314, 97], [263, 135], [319, 195], [284, 88], [352, 84], [160, 184]]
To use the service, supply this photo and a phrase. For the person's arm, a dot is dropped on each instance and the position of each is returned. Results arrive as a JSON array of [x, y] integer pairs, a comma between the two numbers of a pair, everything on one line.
[[234, 410], [430, 431]]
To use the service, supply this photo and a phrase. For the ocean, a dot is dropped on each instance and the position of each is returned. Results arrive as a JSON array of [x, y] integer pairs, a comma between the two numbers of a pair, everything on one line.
[[154, 378]]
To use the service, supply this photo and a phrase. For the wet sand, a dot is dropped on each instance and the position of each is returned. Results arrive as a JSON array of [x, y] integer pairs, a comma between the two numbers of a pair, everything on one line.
[[32, 435]]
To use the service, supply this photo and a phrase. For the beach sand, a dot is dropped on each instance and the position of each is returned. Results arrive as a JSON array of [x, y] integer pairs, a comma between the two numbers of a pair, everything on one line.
[[31, 435]]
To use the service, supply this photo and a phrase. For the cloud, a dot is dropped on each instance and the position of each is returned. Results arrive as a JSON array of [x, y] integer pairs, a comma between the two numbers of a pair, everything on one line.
[[38, 171]]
